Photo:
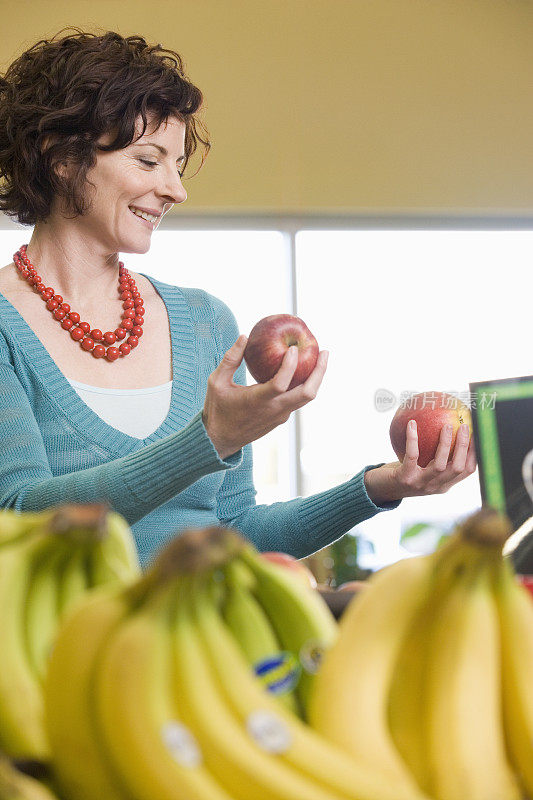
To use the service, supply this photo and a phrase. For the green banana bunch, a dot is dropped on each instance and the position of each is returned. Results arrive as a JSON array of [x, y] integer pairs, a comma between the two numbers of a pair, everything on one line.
[[21, 708], [73, 580], [299, 616], [43, 574], [15, 785], [91, 547], [42, 603], [277, 669], [114, 558], [15, 525]]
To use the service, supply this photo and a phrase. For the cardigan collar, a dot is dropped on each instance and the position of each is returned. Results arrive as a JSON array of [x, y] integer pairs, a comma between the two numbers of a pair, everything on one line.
[[59, 390]]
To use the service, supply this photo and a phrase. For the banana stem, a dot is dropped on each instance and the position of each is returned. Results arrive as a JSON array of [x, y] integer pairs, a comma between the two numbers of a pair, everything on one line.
[[487, 527]]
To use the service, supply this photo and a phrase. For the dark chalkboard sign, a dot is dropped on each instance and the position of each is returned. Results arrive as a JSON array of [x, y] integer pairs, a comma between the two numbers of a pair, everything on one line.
[[502, 415]]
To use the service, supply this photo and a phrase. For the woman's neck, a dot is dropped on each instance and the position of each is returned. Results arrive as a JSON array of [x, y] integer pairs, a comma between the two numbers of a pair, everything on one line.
[[73, 264]]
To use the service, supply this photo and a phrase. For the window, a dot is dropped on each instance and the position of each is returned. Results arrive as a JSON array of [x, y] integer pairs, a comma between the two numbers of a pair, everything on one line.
[[405, 310]]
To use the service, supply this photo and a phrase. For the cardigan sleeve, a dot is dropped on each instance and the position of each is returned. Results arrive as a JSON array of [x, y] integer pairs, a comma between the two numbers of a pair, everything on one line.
[[134, 485], [300, 526]]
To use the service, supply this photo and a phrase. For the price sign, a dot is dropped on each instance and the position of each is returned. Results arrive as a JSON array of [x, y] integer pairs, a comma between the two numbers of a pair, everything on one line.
[[502, 415]]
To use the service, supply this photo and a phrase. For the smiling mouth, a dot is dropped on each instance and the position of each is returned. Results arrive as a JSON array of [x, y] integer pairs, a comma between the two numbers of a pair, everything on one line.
[[148, 219]]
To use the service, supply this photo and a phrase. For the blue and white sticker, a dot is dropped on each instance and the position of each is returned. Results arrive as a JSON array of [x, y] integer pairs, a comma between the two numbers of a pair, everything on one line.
[[279, 673]]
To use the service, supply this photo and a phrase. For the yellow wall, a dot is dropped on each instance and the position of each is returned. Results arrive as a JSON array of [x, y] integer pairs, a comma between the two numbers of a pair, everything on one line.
[[332, 106]]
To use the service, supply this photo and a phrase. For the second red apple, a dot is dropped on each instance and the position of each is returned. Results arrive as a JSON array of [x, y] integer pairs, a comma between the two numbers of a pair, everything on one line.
[[430, 410], [270, 339]]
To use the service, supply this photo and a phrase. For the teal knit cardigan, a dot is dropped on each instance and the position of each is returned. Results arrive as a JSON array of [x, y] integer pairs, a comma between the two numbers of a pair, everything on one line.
[[55, 449]]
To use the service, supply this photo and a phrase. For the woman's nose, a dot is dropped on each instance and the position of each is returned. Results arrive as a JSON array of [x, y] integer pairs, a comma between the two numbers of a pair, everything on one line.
[[173, 187]]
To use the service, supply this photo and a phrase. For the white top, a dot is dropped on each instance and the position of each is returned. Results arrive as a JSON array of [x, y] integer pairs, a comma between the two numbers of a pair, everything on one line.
[[136, 412]]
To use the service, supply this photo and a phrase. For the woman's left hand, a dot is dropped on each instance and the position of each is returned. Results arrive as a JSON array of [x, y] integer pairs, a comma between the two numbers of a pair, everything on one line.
[[406, 478]]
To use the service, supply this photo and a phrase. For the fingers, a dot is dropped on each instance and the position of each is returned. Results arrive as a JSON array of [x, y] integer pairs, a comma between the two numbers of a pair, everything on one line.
[[466, 463], [471, 460], [312, 384], [281, 380], [462, 464], [410, 459], [306, 391], [442, 452], [461, 449], [439, 475], [232, 357]]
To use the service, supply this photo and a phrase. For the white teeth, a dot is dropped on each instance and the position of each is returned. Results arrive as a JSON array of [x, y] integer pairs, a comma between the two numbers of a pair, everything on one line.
[[143, 214]]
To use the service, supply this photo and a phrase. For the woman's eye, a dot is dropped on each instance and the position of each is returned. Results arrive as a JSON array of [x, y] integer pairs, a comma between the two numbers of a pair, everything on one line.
[[154, 164]]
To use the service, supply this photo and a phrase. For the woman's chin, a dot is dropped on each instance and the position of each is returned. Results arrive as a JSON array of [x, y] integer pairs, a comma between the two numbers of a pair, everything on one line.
[[138, 247]]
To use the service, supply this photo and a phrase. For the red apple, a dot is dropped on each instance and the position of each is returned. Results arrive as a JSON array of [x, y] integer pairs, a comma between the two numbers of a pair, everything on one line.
[[293, 565], [270, 339], [430, 410]]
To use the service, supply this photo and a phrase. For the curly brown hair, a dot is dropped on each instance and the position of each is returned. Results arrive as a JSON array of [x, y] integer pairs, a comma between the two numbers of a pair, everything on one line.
[[60, 96]]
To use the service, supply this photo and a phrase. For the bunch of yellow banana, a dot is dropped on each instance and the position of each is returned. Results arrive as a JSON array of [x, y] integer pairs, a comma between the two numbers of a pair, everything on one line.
[[150, 692], [431, 676], [48, 561], [15, 785]]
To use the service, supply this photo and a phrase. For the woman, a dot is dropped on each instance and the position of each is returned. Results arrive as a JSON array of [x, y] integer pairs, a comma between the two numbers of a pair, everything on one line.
[[95, 133]]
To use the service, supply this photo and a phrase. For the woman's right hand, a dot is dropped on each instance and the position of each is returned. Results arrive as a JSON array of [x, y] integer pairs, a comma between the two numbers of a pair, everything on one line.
[[235, 415]]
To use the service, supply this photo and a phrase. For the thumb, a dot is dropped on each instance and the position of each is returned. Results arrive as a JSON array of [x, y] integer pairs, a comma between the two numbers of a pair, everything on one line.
[[233, 357]]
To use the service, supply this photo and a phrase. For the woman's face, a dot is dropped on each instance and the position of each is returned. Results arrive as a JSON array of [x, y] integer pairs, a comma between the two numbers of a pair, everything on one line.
[[143, 176]]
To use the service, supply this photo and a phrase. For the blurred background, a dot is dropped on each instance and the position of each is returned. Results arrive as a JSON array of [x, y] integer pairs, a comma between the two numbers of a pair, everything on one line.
[[371, 171]]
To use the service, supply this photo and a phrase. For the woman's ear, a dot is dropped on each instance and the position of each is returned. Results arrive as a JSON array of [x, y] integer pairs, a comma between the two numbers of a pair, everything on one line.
[[60, 167]]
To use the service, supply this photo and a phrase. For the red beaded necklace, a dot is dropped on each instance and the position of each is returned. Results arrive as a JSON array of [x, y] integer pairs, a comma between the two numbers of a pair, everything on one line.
[[132, 317]]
